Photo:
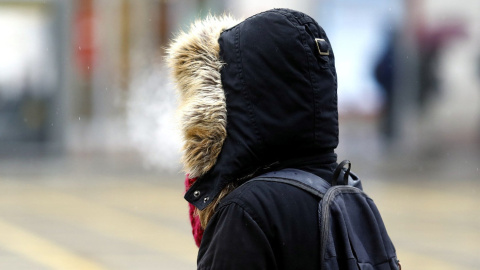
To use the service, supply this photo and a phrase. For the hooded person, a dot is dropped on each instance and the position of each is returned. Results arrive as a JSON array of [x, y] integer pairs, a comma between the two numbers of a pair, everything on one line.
[[255, 96]]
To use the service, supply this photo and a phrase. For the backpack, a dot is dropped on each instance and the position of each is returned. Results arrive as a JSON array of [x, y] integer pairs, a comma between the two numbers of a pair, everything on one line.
[[352, 232]]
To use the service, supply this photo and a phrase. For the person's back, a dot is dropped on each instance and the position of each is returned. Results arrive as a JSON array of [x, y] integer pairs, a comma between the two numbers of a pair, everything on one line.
[[256, 96], [262, 225]]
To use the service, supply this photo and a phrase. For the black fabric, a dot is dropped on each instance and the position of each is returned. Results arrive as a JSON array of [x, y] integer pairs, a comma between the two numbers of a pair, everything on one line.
[[252, 231], [354, 233], [263, 225], [281, 99], [367, 238]]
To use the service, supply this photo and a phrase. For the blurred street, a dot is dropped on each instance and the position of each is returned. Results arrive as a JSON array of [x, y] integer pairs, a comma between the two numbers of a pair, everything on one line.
[[109, 213], [94, 215]]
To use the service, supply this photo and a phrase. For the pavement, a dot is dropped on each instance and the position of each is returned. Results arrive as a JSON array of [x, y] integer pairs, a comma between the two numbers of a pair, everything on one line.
[[109, 212]]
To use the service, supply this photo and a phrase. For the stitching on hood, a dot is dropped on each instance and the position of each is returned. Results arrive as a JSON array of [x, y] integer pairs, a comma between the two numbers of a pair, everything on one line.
[[194, 58]]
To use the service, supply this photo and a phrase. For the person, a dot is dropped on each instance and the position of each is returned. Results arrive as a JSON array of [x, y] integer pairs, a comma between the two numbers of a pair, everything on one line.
[[255, 96], [384, 73]]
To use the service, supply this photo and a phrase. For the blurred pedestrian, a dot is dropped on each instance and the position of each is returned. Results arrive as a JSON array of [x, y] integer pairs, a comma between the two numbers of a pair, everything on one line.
[[385, 75], [256, 96]]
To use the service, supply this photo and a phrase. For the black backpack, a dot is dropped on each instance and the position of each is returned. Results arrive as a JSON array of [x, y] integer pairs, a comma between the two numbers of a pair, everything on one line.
[[352, 232]]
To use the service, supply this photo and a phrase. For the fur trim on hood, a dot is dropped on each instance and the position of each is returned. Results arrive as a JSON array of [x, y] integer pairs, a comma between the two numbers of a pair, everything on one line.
[[255, 96], [194, 58]]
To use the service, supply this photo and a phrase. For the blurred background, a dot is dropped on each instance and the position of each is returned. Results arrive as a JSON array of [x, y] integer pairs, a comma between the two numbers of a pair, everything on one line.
[[89, 151]]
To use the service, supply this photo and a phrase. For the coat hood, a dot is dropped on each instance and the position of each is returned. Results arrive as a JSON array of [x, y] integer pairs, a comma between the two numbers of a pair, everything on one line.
[[253, 95]]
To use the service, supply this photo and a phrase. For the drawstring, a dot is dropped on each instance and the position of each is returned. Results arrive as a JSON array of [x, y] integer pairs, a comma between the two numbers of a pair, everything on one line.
[[337, 171]]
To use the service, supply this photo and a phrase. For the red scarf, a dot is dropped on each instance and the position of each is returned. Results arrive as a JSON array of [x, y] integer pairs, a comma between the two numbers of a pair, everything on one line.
[[197, 230]]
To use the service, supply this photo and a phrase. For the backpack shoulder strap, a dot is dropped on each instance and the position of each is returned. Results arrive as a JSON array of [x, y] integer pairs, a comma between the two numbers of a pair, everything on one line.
[[301, 179]]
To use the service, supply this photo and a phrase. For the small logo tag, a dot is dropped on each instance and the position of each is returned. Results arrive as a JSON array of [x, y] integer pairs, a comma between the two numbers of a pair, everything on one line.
[[322, 46]]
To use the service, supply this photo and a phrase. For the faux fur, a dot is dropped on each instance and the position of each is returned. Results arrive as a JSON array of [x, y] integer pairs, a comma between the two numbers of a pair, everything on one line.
[[195, 62]]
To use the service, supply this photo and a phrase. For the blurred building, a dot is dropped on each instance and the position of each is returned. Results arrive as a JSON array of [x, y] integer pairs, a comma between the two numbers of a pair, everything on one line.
[[30, 76]]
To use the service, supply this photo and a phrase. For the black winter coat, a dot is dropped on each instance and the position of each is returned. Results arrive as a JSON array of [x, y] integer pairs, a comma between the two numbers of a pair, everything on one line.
[[264, 225]]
